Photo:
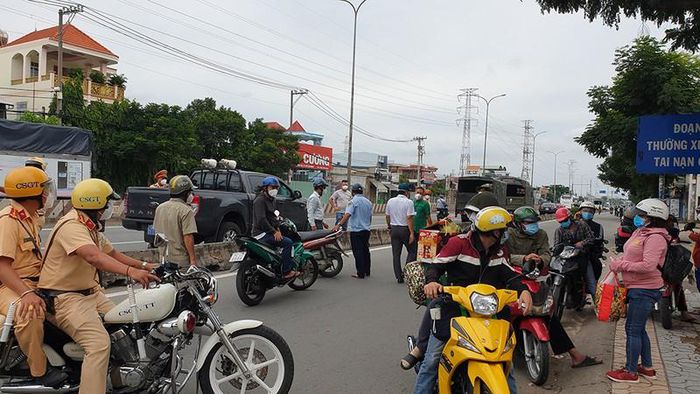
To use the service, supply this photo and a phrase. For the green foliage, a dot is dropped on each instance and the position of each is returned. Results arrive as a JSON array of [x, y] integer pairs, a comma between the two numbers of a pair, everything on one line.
[[438, 188], [684, 15], [36, 118], [96, 76], [270, 151], [403, 178], [560, 190], [76, 73], [649, 80], [221, 132], [118, 80], [73, 103]]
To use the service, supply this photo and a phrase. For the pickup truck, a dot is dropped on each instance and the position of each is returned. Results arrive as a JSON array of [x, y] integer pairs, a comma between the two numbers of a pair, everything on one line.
[[223, 202]]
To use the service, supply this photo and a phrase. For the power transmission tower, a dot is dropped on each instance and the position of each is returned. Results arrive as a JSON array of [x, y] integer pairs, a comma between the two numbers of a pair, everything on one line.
[[468, 98], [421, 152], [528, 142]]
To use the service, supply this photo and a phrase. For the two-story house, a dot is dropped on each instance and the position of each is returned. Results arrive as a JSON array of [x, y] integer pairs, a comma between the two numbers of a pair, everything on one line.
[[29, 68]]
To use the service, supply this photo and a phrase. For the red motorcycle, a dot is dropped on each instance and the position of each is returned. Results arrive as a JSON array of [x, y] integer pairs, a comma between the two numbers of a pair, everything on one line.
[[533, 328], [325, 246]]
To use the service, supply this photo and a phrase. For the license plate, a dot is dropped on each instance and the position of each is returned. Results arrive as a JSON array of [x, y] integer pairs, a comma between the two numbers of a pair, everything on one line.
[[237, 257], [150, 230]]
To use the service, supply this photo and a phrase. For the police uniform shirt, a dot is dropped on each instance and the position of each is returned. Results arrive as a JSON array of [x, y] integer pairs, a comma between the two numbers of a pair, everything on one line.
[[63, 268], [17, 228], [175, 219]]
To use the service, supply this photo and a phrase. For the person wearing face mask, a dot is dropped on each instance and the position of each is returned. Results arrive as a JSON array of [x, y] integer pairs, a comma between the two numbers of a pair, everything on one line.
[[644, 256], [175, 218], [339, 201], [161, 178], [266, 224], [595, 267], [571, 232], [75, 253], [421, 219], [314, 206], [29, 190]]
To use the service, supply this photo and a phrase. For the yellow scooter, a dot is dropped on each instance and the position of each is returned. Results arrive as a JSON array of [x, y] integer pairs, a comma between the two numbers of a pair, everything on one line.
[[479, 353]]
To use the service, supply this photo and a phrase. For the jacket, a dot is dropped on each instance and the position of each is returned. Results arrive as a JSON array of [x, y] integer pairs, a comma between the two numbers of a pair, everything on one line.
[[644, 255], [695, 237], [520, 245], [582, 233], [264, 218]]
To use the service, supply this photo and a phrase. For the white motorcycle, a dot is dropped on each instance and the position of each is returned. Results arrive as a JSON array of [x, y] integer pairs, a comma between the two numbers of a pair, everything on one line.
[[150, 330]]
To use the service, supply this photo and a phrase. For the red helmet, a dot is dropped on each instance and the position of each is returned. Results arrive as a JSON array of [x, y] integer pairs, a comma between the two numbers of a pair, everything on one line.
[[562, 214]]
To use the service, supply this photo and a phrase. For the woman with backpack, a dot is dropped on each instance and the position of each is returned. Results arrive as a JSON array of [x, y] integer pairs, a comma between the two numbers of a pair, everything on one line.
[[677, 287], [644, 254]]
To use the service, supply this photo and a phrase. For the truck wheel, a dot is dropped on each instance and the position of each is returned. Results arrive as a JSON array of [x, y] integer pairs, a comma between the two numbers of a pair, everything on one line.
[[228, 232]]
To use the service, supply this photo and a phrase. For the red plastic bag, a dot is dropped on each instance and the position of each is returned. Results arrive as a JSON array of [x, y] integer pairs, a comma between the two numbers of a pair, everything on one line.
[[610, 299]]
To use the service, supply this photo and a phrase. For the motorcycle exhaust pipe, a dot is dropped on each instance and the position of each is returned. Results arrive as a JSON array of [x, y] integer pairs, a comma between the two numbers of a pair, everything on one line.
[[35, 388], [265, 271]]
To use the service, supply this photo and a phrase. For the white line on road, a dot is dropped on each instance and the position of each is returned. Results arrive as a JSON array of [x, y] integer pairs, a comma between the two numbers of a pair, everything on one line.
[[230, 274]]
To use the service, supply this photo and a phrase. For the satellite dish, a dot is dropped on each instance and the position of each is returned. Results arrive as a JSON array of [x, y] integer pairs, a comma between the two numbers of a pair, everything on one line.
[[3, 38]]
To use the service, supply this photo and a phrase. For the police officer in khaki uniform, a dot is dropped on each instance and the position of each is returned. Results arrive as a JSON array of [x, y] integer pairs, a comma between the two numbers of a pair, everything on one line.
[[175, 219], [29, 190], [75, 252]]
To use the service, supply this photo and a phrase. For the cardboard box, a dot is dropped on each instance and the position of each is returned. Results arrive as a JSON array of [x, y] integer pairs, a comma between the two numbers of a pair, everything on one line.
[[429, 245]]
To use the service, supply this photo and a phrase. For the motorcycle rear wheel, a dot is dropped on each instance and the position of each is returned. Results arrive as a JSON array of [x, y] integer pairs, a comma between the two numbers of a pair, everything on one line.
[[249, 284], [538, 364], [309, 274], [334, 264], [665, 311]]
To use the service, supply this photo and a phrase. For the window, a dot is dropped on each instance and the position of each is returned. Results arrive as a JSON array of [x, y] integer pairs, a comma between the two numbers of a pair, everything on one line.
[[234, 183], [515, 190], [285, 191], [207, 180], [34, 69], [255, 181], [221, 181]]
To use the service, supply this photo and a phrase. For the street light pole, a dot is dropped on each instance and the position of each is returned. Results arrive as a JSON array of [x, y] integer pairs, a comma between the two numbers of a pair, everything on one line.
[[352, 85], [534, 144], [555, 173], [486, 126]]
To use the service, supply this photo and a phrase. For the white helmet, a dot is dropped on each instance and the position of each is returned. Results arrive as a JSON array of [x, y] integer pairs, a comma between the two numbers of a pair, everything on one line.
[[653, 207], [587, 204]]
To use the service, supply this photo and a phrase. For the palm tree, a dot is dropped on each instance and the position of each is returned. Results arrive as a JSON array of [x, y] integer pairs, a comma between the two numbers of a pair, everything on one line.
[[118, 80]]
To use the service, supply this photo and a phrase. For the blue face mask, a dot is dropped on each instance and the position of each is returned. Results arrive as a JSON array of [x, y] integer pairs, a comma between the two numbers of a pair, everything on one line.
[[586, 215], [505, 237], [566, 223], [639, 221], [531, 228]]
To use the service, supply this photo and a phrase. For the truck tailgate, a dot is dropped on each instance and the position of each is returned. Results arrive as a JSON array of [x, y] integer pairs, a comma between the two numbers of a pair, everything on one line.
[[143, 201]]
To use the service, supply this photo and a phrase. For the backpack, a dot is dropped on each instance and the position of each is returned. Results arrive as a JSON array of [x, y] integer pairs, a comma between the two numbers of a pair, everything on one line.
[[677, 265]]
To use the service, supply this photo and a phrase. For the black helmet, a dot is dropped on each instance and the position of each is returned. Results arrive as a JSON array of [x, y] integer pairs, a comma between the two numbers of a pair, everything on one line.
[[357, 188]]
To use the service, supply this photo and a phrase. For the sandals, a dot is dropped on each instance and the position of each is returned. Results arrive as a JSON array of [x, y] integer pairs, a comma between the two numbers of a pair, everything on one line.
[[587, 362], [409, 361]]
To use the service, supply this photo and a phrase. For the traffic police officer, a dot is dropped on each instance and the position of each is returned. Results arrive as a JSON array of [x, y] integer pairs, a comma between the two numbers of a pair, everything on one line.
[[75, 252], [175, 219], [29, 190]]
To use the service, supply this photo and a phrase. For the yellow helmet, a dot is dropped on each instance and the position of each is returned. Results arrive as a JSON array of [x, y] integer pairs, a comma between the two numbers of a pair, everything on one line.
[[37, 162], [25, 182], [492, 218], [92, 194]]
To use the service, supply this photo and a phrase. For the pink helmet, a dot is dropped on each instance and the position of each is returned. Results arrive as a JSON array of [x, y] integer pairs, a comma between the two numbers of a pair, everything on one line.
[[562, 214]]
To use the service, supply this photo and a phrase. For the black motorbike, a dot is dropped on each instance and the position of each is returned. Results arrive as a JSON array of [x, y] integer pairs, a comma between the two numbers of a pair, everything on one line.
[[567, 272]]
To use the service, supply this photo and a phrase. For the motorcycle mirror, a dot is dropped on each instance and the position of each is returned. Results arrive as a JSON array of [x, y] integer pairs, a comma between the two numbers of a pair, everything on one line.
[[160, 240]]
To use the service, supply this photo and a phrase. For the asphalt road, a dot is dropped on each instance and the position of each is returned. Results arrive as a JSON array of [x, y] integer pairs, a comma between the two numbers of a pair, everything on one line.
[[347, 335]]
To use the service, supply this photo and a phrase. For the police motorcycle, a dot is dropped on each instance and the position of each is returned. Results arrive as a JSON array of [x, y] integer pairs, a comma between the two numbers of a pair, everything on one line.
[[150, 332]]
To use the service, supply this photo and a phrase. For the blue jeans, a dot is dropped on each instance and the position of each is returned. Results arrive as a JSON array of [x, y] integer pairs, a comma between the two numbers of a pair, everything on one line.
[[286, 245], [428, 373], [640, 303], [590, 280], [338, 216]]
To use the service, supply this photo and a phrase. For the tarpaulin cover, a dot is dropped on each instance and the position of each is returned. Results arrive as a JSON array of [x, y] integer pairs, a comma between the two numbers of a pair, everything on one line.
[[41, 138]]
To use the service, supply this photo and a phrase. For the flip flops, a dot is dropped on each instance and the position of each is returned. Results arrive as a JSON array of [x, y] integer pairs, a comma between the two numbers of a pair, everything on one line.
[[409, 361], [587, 362]]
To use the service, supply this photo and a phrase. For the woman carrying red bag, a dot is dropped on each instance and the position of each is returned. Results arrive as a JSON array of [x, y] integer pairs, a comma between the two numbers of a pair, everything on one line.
[[644, 254]]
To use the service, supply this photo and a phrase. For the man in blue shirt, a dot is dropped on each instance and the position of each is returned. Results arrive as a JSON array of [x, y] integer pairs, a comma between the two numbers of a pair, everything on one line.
[[358, 215]]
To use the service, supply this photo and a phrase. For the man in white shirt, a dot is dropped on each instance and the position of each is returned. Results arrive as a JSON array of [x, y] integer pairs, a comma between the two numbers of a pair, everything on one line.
[[314, 206], [399, 220]]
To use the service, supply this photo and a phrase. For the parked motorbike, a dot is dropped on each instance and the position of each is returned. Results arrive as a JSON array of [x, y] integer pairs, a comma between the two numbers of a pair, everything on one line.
[[325, 246], [567, 278], [150, 332], [260, 266], [479, 353], [533, 328]]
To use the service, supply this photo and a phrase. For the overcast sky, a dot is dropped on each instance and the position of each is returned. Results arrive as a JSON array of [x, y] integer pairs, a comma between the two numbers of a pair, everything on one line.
[[413, 57]]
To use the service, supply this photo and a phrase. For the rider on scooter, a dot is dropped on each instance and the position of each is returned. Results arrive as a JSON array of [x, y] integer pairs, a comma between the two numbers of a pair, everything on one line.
[[527, 242], [595, 267], [574, 233]]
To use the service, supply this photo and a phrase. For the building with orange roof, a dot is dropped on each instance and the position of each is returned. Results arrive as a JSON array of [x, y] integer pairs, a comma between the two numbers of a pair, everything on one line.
[[29, 67]]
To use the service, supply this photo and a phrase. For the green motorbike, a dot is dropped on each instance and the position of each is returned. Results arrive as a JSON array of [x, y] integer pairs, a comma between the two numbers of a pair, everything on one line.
[[260, 266]]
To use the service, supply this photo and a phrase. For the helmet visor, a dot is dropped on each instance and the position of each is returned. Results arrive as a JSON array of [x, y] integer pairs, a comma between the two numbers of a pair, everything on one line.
[[49, 194], [108, 212]]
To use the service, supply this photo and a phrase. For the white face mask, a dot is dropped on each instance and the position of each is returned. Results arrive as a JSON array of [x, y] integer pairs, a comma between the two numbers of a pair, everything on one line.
[[163, 182], [427, 198], [272, 192], [419, 196], [107, 214], [190, 198], [344, 187]]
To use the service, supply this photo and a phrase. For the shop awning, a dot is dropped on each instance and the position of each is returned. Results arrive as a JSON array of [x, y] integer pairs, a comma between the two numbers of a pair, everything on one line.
[[381, 188], [391, 186]]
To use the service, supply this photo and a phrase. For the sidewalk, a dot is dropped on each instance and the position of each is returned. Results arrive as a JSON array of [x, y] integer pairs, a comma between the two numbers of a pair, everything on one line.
[[675, 354]]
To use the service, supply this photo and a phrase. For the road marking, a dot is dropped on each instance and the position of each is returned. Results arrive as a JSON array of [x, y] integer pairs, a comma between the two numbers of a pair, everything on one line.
[[231, 274]]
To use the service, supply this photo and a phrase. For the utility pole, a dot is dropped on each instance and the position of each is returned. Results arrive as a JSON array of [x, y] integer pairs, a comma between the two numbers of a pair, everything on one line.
[[532, 169], [556, 154], [571, 163], [467, 122], [421, 152], [70, 10], [528, 141], [486, 126], [297, 92]]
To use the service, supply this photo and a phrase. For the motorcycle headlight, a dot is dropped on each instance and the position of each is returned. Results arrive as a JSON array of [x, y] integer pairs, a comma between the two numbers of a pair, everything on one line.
[[484, 304], [467, 344]]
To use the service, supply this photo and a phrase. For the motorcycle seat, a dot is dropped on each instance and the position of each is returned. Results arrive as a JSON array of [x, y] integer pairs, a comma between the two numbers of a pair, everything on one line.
[[310, 235]]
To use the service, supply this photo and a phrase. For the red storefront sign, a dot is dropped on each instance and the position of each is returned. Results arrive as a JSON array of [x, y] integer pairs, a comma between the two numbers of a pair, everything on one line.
[[315, 157]]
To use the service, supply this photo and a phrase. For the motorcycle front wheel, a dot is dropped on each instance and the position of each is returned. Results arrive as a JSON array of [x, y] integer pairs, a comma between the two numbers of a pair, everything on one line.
[[249, 284], [308, 275], [538, 361], [265, 353], [332, 265]]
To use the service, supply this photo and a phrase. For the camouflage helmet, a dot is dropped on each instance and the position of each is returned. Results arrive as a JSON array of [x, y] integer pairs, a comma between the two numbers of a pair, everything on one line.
[[526, 214], [180, 184]]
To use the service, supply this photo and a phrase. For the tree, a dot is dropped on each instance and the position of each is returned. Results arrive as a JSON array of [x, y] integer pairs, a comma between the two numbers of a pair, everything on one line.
[[438, 188], [684, 14], [221, 132], [270, 151], [73, 103], [118, 80], [96, 76], [560, 190], [649, 80], [31, 117]]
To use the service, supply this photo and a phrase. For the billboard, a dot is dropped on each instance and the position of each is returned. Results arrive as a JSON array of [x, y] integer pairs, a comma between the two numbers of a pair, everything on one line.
[[314, 157], [669, 144]]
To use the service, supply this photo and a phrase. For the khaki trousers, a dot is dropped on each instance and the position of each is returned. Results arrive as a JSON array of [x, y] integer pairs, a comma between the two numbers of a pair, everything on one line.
[[28, 331], [79, 317]]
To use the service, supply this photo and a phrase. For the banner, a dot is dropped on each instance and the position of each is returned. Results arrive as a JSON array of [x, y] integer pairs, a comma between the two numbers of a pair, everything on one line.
[[669, 144], [314, 157]]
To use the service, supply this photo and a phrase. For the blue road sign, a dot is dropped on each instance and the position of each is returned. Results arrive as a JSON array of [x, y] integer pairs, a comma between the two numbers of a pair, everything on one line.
[[669, 144]]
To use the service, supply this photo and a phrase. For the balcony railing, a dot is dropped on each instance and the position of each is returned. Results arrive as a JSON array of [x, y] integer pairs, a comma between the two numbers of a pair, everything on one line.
[[31, 79], [98, 90], [17, 81]]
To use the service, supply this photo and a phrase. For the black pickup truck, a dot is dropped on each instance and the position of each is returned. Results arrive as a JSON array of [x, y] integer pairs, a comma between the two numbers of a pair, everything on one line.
[[225, 199]]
